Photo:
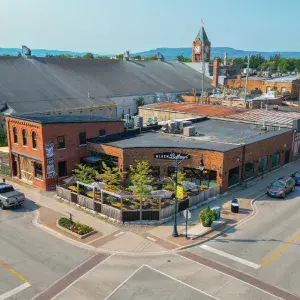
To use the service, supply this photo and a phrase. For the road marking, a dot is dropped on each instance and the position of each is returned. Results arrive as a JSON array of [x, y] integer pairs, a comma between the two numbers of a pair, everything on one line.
[[280, 251], [252, 284], [119, 234], [151, 239], [123, 282], [66, 281], [12, 270], [15, 291], [186, 284], [232, 257]]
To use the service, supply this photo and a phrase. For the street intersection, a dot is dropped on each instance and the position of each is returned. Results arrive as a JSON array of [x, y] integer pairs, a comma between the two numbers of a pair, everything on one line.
[[257, 259]]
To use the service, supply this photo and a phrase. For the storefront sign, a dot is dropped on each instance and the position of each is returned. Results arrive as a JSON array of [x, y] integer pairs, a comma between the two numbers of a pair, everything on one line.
[[171, 156]]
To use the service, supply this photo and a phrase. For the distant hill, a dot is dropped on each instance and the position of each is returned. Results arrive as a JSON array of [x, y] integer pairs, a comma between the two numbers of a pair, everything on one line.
[[169, 53]]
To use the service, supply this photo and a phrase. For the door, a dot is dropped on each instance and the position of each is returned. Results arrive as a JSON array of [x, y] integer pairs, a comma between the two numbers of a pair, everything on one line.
[[26, 169], [287, 157]]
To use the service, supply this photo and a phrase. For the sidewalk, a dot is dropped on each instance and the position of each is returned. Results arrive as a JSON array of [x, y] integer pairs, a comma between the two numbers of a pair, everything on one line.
[[116, 236]]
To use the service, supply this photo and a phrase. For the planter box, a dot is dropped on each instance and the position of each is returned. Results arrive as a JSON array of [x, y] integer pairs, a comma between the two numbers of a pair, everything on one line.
[[83, 236]]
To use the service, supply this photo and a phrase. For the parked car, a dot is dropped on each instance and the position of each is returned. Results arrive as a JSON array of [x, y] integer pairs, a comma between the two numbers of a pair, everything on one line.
[[281, 187], [296, 177], [9, 197]]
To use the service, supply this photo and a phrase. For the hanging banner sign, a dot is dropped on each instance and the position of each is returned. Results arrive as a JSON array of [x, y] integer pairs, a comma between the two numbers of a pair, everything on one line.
[[172, 156]]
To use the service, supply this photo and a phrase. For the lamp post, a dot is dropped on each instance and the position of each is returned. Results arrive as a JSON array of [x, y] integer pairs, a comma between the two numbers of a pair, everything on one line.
[[175, 231], [201, 168]]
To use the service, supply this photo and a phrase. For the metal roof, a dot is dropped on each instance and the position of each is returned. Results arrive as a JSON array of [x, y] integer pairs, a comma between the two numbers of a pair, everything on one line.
[[41, 84], [268, 116], [202, 36]]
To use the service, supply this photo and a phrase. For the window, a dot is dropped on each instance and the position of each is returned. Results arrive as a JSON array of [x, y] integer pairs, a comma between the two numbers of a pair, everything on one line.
[[34, 142], [263, 164], [24, 136], [275, 160], [38, 170], [268, 89], [248, 170], [233, 176], [6, 189], [110, 111], [62, 169], [102, 132], [15, 132], [283, 89], [82, 138], [61, 142]]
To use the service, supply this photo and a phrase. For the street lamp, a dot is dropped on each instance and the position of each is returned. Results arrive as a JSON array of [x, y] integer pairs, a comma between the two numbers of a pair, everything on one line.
[[175, 231]]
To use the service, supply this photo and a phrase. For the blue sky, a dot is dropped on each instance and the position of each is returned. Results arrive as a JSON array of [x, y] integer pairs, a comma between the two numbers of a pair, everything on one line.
[[113, 26]]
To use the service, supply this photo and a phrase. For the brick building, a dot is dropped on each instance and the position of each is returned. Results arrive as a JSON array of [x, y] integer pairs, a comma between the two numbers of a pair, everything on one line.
[[289, 85], [45, 149], [232, 152]]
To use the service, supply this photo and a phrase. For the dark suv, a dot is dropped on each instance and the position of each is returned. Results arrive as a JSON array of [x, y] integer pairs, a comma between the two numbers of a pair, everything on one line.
[[281, 187]]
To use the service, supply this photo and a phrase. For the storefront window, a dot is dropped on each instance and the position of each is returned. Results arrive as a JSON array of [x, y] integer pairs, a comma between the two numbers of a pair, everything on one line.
[[38, 170], [263, 164], [233, 176], [248, 170], [275, 160]]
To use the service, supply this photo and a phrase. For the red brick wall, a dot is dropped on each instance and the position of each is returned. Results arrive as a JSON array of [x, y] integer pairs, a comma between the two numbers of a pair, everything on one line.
[[48, 133], [73, 151], [292, 88]]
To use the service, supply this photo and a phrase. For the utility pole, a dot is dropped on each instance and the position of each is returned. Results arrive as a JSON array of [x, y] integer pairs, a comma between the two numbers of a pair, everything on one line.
[[247, 74]]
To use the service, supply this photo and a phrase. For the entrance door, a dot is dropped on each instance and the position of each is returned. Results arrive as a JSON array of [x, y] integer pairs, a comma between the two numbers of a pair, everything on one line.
[[26, 169], [287, 157], [233, 176], [14, 168]]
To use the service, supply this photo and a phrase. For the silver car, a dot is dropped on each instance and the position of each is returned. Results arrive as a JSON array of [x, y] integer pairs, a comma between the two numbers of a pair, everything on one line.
[[9, 197], [281, 187]]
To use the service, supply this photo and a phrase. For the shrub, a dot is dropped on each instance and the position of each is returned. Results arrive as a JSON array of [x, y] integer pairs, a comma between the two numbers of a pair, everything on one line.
[[207, 216], [74, 226]]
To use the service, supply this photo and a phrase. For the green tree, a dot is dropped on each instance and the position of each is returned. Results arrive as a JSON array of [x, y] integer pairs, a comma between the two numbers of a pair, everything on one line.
[[88, 55], [239, 62], [120, 56], [169, 183], [140, 178], [207, 216], [111, 177], [140, 101], [137, 57], [85, 173], [183, 59], [102, 57], [3, 137]]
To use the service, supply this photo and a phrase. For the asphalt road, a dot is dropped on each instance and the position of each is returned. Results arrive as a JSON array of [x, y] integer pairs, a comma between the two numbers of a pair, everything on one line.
[[31, 259], [266, 247]]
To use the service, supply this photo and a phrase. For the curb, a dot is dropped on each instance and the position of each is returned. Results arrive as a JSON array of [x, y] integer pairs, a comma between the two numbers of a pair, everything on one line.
[[254, 211], [75, 234]]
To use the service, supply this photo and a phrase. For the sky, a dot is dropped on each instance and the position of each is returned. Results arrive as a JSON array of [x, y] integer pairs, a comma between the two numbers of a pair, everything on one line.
[[113, 26]]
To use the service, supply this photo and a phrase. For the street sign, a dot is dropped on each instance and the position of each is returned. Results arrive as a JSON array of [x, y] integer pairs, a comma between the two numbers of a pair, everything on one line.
[[187, 214], [172, 156]]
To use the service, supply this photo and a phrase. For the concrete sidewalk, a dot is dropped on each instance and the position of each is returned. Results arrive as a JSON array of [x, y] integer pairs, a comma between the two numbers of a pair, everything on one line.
[[47, 199]]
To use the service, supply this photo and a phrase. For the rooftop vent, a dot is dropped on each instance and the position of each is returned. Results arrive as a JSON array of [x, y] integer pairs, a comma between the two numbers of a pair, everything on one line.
[[26, 51], [160, 56], [127, 55]]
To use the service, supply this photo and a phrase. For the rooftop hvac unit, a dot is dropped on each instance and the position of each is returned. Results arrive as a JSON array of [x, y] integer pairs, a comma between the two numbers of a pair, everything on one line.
[[172, 126], [138, 121], [189, 131], [184, 124]]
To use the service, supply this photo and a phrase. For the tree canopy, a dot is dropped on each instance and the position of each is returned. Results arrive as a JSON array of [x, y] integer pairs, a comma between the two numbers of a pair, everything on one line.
[[85, 173]]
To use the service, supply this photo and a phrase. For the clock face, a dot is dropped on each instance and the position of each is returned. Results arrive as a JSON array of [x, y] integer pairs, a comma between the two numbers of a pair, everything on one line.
[[197, 49]]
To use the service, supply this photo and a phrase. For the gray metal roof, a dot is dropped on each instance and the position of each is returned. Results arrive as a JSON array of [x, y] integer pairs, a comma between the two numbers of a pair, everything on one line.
[[51, 119], [215, 135], [42, 84]]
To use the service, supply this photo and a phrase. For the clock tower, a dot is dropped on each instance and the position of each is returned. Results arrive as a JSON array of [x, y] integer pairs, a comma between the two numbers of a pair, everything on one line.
[[201, 47]]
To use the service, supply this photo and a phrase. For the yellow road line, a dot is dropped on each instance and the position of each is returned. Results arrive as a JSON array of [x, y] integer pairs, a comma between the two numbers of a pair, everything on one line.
[[12, 270], [281, 250]]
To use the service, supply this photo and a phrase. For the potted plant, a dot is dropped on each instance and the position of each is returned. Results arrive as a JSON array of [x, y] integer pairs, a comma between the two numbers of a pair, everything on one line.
[[207, 216]]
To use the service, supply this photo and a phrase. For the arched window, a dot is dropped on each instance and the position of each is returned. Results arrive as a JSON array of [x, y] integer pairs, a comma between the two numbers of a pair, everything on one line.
[[34, 142], [15, 132], [24, 136]]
